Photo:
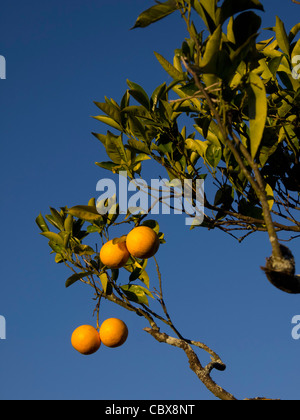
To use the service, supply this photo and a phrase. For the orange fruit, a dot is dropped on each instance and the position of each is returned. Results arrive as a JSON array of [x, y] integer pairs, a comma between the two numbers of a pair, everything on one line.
[[142, 242], [114, 255], [113, 332], [86, 340]]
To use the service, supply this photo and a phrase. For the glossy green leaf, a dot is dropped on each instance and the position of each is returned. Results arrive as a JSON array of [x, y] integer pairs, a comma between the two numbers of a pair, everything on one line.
[[40, 221], [115, 148], [104, 281], [139, 94], [169, 68], [81, 250], [87, 213], [155, 13], [54, 237], [138, 146], [281, 36], [158, 93], [111, 111], [136, 293], [153, 224], [231, 7], [257, 111], [208, 64], [68, 225], [207, 11], [76, 277], [100, 137], [108, 121], [110, 166], [213, 154]]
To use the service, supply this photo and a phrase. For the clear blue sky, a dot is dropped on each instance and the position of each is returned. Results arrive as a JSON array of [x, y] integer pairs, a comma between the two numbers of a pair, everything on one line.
[[61, 56]]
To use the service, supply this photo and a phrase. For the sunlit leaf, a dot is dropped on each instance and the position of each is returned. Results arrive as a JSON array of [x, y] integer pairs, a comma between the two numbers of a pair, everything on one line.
[[281, 36], [76, 277], [257, 111], [169, 68], [87, 213], [40, 221], [155, 13]]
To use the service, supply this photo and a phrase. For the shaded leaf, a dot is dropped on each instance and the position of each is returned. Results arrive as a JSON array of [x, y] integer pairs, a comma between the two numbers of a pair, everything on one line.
[[232, 7]]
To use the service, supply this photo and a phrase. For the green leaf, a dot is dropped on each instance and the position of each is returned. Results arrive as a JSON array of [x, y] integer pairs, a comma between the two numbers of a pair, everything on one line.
[[105, 283], [54, 237], [169, 68], [108, 121], [100, 137], [155, 13], [245, 26], [207, 11], [138, 146], [110, 110], [257, 111], [68, 225], [40, 221], [281, 36], [137, 129], [56, 219], [110, 166], [232, 7], [157, 94], [213, 154], [270, 196], [76, 277], [87, 213], [81, 250], [209, 62], [136, 293], [93, 229], [115, 148], [139, 94], [294, 31], [113, 214], [153, 224]]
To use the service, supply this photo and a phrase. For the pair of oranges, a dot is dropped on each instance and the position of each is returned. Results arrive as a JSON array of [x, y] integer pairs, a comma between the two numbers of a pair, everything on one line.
[[142, 242], [87, 339]]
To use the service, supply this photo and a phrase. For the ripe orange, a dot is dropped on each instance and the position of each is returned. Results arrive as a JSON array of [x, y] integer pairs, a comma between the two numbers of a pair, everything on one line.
[[142, 242], [114, 255], [113, 332], [86, 340]]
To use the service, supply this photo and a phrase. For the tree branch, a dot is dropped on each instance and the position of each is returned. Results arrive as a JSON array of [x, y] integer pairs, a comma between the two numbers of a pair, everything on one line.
[[203, 373]]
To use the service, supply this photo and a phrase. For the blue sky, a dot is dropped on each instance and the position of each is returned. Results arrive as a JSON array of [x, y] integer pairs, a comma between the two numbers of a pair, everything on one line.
[[61, 56]]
